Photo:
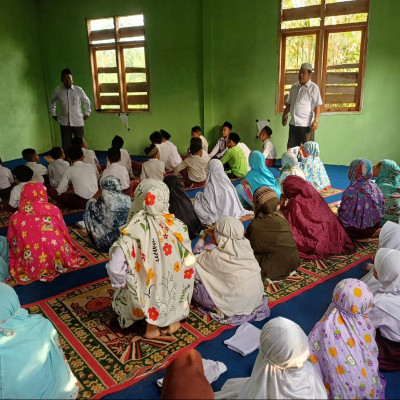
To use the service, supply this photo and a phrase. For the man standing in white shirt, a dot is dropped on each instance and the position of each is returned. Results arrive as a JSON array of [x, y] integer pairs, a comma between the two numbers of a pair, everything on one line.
[[70, 99], [303, 103]]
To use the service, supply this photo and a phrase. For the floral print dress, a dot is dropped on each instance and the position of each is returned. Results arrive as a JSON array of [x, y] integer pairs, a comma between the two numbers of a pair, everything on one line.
[[40, 245], [160, 264], [342, 345], [313, 168]]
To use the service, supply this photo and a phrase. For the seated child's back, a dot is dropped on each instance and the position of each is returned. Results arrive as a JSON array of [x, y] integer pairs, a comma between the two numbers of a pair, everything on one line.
[[23, 175], [115, 168], [82, 176], [6, 177], [57, 167], [32, 161], [154, 167]]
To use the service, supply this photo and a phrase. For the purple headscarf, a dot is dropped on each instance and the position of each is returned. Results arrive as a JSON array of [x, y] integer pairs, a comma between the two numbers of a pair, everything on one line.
[[362, 202], [342, 344]]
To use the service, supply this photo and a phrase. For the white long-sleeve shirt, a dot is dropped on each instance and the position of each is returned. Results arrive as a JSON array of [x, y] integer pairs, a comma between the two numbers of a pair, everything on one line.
[[269, 149], [56, 170], [38, 171], [175, 159], [6, 178], [70, 101], [120, 172], [83, 177], [153, 168], [16, 194], [126, 161]]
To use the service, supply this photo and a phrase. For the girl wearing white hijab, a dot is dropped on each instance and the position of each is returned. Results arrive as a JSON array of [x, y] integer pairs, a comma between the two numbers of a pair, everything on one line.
[[229, 285], [290, 166], [281, 370], [385, 314], [219, 199], [389, 238]]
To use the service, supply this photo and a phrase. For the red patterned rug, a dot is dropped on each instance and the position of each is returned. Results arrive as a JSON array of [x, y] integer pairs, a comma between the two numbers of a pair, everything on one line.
[[104, 358], [313, 272]]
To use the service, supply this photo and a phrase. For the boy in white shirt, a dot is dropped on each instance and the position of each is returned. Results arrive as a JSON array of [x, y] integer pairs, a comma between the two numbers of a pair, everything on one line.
[[154, 167], [132, 166], [32, 159], [6, 181], [116, 169], [196, 132], [194, 167], [268, 148], [57, 167], [156, 138], [23, 175], [175, 157], [89, 156], [83, 178]]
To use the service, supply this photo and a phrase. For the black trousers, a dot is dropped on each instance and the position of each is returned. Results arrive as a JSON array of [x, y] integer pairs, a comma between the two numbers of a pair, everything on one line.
[[299, 135], [66, 135]]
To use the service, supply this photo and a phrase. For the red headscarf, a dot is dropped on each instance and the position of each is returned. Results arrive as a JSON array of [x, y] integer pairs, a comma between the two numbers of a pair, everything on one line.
[[316, 230]]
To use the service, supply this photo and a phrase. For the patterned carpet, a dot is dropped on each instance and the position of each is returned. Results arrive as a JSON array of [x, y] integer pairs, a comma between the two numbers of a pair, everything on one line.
[[102, 356], [313, 272], [329, 192]]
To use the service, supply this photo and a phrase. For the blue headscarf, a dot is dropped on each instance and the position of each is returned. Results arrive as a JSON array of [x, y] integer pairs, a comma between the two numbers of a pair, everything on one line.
[[260, 175], [32, 362], [104, 217]]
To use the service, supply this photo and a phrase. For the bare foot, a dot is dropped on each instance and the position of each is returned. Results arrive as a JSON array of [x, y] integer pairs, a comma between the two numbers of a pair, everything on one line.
[[172, 328], [377, 232], [152, 332]]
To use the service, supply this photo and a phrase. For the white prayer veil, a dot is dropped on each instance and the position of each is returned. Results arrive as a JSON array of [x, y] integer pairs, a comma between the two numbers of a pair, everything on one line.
[[281, 370]]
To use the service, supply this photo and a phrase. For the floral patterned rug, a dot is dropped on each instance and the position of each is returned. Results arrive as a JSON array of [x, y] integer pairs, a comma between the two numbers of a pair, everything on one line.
[[103, 357], [313, 272]]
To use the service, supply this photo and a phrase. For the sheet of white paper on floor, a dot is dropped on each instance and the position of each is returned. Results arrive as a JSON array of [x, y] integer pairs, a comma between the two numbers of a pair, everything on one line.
[[212, 371], [245, 340]]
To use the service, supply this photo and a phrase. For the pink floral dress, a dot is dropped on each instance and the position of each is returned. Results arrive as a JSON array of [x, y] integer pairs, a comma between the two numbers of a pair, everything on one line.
[[40, 245]]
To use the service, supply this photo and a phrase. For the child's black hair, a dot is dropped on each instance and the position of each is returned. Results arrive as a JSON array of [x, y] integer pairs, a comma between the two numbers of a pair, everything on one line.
[[234, 137], [22, 173], [28, 154], [113, 154], [75, 152], [56, 153], [117, 142], [156, 137]]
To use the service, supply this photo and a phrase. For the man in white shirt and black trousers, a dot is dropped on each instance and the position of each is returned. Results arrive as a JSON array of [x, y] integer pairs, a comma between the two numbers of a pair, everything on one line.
[[70, 99], [303, 103]]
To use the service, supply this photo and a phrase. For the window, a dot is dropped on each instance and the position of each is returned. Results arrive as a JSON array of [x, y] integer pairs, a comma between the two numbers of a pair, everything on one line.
[[331, 35], [120, 72]]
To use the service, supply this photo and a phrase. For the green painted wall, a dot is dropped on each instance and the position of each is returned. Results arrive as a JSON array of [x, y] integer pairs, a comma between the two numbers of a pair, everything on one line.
[[174, 49], [210, 61], [245, 52], [24, 120]]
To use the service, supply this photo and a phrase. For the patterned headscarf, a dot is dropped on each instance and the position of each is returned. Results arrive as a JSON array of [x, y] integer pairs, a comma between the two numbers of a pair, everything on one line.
[[140, 193], [265, 199], [342, 344], [361, 206], [312, 166], [104, 216], [388, 181], [360, 168]]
